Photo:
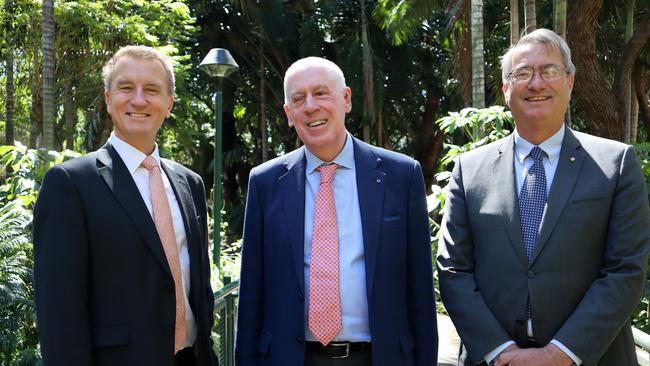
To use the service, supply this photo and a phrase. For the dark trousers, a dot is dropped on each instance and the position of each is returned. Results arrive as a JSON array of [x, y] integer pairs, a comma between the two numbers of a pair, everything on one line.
[[185, 357], [360, 358]]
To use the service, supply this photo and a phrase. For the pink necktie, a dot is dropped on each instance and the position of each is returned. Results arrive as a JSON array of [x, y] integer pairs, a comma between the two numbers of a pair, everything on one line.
[[164, 225], [324, 294]]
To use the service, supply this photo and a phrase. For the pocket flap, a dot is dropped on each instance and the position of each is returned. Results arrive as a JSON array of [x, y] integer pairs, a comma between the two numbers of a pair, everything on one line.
[[111, 336]]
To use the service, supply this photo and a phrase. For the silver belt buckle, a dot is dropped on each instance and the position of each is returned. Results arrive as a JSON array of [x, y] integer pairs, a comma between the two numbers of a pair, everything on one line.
[[347, 349]]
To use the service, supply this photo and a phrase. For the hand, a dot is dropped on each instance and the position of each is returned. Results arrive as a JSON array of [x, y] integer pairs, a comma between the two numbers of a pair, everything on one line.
[[507, 354], [549, 355]]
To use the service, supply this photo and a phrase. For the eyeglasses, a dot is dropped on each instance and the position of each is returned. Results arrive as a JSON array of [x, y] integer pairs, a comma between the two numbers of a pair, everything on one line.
[[548, 73]]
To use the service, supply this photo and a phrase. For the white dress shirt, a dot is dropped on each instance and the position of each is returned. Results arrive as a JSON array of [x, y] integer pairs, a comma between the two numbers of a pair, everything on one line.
[[352, 265], [133, 159], [522, 163]]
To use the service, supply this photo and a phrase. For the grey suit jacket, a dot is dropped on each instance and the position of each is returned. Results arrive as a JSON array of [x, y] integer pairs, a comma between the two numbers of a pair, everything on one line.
[[589, 264]]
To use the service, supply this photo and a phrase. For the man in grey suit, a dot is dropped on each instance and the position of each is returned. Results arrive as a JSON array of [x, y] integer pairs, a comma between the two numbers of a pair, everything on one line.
[[546, 232]]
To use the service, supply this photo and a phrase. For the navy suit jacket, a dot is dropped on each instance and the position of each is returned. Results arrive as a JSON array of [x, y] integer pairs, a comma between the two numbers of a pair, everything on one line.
[[104, 291], [399, 280]]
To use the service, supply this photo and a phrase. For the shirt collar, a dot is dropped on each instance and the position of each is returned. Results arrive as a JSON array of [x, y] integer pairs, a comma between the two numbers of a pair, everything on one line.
[[344, 159], [131, 156], [551, 146]]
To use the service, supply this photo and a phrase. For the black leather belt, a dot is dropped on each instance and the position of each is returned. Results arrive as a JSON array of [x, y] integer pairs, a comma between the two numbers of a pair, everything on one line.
[[337, 349]]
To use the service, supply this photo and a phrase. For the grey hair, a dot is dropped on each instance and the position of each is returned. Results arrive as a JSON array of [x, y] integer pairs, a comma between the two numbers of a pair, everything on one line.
[[542, 36], [332, 70], [139, 53]]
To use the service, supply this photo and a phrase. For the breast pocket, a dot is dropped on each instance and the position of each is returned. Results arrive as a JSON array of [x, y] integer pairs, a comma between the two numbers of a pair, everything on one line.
[[393, 223]]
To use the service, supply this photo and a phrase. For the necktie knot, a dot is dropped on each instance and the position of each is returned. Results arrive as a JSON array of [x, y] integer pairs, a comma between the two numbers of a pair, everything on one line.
[[537, 153], [327, 172], [149, 163]]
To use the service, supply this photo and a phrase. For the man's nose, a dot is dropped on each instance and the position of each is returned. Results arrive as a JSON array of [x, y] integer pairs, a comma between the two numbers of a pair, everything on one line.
[[311, 105], [139, 97], [536, 82]]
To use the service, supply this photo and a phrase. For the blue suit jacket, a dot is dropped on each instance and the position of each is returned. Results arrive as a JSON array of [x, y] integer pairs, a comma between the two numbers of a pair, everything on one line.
[[399, 280]]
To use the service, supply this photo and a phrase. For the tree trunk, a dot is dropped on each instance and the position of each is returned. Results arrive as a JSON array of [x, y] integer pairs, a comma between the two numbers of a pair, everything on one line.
[[590, 85], [642, 98], [263, 138], [560, 17], [48, 74], [36, 112], [622, 76], [368, 77], [9, 100], [634, 116], [70, 112], [629, 29], [514, 21], [464, 56], [478, 71], [430, 140], [530, 16]]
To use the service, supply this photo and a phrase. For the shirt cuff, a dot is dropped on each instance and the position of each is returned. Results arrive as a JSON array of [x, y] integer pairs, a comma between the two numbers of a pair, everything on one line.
[[568, 352], [495, 352]]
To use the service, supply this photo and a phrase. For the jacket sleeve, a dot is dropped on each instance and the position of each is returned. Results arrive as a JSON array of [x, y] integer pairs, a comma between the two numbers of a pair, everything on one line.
[[251, 291], [421, 296], [477, 326], [612, 297], [61, 272]]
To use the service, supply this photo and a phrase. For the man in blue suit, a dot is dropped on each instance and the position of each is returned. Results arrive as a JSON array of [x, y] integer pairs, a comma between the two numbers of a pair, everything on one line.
[[380, 297]]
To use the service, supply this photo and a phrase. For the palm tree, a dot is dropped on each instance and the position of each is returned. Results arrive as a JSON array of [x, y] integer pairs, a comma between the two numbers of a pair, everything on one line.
[[9, 101], [560, 17], [514, 21], [48, 74], [530, 17], [368, 76], [478, 69]]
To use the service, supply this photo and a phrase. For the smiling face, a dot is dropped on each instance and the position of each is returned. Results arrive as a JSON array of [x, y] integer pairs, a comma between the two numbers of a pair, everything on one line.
[[316, 107], [138, 101], [537, 106]]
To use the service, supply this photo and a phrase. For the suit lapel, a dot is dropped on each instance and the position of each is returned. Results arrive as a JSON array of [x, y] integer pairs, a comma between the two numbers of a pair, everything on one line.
[[292, 187], [506, 187], [120, 182], [370, 188], [566, 176]]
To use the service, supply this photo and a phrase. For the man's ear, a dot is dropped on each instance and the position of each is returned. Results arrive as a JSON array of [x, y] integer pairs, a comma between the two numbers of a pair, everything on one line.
[[107, 100], [286, 112], [506, 93], [169, 107]]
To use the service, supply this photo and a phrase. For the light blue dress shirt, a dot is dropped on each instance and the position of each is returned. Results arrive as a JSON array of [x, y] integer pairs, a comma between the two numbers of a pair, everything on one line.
[[352, 265]]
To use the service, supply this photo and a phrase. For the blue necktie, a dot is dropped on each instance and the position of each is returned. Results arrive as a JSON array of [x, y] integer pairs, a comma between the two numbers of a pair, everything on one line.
[[531, 204]]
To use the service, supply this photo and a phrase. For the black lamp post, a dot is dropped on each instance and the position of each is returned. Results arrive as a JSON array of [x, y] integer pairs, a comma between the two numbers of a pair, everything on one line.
[[219, 64]]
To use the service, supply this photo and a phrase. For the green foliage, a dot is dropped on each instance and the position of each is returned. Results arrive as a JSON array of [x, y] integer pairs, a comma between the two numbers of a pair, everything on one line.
[[494, 122], [22, 171], [641, 317], [18, 337], [21, 174]]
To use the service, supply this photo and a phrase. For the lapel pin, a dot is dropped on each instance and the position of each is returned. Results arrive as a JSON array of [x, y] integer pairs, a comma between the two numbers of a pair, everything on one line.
[[573, 158], [378, 180]]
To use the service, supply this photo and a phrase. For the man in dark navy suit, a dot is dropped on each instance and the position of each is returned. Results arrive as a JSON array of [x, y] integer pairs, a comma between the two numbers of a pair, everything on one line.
[[336, 263], [108, 289]]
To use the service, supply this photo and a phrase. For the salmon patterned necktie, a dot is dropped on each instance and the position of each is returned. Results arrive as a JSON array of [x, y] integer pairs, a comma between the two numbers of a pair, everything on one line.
[[164, 225], [324, 295]]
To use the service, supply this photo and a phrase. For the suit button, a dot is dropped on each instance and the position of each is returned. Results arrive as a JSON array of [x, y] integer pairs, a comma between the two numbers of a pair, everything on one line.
[[302, 298], [531, 274]]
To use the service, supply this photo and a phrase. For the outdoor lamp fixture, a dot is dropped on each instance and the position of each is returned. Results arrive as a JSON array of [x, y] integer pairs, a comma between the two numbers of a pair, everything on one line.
[[219, 64]]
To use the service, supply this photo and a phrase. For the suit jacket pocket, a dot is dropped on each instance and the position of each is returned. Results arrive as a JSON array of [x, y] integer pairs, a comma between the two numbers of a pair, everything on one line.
[[586, 203], [407, 343], [393, 223], [111, 336], [265, 342]]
